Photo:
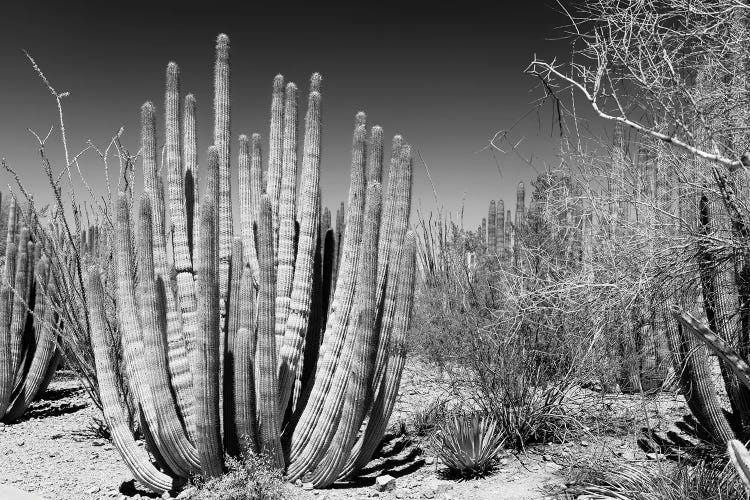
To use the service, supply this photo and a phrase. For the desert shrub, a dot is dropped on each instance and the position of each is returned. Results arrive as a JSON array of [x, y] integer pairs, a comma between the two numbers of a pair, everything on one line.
[[252, 478], [663, 481], [468, 445], [426, 419]]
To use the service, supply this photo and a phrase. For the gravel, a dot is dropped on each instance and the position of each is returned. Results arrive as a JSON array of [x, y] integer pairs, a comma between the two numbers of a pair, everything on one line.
[[54, 453]]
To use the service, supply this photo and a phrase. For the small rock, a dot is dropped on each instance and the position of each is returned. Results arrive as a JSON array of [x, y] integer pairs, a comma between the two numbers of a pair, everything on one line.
[[385, 483], [585, 443], [166, 495], [93, 490], [98, 442], [56, 435], [307, 486], [547, 458], [20, 443], [429, 460], [655, 456]]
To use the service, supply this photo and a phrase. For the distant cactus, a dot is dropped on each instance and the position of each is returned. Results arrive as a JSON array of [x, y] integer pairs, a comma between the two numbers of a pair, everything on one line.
[[28, 324], [319, 408], [491, 229], [500, 228]]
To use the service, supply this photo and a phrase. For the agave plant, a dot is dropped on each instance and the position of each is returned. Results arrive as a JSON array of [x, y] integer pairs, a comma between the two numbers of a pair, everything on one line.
[[469, 445]]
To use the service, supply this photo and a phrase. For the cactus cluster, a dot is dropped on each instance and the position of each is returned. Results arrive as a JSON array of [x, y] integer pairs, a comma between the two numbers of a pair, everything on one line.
[[28, 328], [498, 232], [287, 339]]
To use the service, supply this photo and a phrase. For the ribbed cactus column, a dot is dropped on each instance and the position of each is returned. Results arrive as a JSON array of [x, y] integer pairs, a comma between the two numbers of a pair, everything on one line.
[[180, 213], [134, 456], [307, 244], [484, 230], [520, 222], [275, 152], [500, 228], [222, 139], [28, 355], [266, 365], [250, 173], [313, 432], [287, 213], [190, 161], [363, 342], [491, 228], [508, 230]]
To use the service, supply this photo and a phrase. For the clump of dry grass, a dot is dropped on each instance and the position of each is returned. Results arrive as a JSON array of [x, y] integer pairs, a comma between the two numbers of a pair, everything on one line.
[[661, 481]]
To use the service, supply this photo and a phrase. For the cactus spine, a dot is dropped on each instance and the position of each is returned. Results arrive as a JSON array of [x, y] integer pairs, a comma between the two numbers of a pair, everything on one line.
[[332, 399]]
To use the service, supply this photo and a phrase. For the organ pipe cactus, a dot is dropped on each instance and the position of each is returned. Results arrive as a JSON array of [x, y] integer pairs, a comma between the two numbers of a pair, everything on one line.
[[492, 228], [28, 329], [500, 228], [318, 408]]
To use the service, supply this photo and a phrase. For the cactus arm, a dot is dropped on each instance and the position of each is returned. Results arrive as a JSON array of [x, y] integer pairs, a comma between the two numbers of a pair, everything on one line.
[[19, 301], [6, 301], [500, 228], [134, 457], [222, 121], [491, 228], [231, 437], [130, 324], [691, 363], [726, 353], [151, 308], [44, 350], [206, 359], [301, 296], [179, 365], [249, 196], [256, 191], [388, 389], [356, 379], [265, 356], [152, 186], [244, 368], [308, 433], [393, 292], [393, 229], [190, 166], [287, 214], [275, 153]]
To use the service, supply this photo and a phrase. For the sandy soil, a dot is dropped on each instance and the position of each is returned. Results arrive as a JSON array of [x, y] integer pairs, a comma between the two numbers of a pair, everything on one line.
[[54, 453]]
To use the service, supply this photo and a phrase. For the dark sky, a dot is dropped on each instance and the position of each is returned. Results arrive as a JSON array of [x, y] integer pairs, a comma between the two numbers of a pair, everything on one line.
[[446, 76]]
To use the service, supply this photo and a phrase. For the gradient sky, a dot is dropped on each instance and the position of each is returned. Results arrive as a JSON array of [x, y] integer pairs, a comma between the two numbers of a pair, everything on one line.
[[446, 77]]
